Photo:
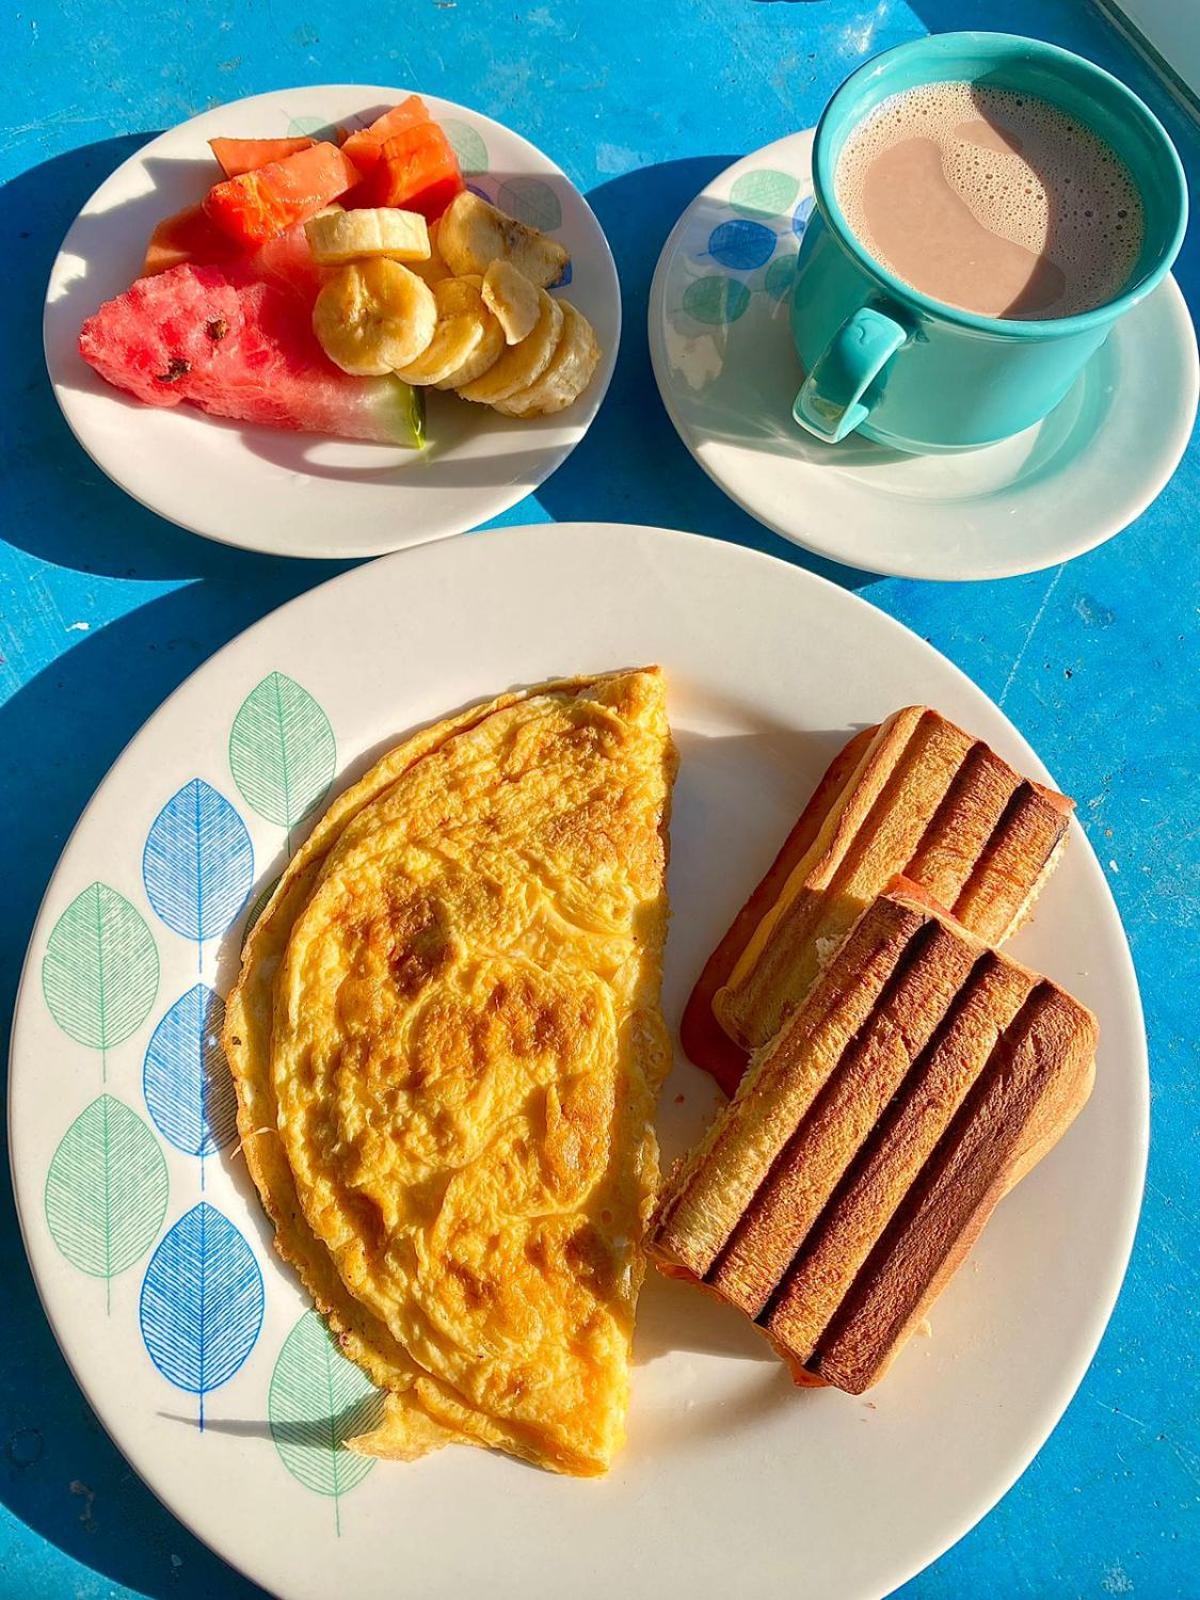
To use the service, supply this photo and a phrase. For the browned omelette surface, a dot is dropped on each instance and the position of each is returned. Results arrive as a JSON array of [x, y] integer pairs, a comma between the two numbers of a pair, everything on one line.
[[448, 1049]]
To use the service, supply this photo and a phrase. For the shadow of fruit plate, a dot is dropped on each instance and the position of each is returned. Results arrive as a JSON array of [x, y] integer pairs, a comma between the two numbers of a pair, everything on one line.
[[308, 494], [195, 1344]]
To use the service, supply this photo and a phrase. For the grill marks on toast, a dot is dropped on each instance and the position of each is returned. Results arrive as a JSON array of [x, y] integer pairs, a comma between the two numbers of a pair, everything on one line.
[[704, 1202], [1013, 864], [963, 825], [929, 974], [1044, 1058], [874, 833], [927, 801], [919, 1079], [882, 1177]]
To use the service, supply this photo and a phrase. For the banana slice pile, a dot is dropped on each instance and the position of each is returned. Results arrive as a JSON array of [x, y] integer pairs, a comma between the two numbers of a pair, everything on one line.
[[460, 304]]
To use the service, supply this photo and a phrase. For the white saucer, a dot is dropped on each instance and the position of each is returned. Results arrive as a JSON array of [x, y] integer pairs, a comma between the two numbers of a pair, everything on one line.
[[726, 369]]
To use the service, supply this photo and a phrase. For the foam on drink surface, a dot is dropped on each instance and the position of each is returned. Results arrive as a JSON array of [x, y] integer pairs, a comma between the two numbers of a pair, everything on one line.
[[991, 200]]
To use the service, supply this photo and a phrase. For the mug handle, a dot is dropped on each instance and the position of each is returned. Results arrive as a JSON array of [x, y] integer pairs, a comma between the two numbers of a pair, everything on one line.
[[830, 403]]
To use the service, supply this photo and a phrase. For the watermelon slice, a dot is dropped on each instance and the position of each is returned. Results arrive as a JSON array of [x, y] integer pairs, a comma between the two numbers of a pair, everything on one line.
[[239, 345], [289, 259]]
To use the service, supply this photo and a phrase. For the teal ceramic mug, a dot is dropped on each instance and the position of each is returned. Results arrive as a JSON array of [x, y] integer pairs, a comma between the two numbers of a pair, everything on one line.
[[908, 371]]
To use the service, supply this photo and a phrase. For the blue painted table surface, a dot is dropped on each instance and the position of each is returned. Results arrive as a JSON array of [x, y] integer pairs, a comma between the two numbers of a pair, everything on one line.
[[104, 608]]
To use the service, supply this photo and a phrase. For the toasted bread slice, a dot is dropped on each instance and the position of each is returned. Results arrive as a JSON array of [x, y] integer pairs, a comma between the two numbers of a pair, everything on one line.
[[919, 1079], [704, 1203], [853, 1223], [704, 1040], [930, 972], [917, 796]]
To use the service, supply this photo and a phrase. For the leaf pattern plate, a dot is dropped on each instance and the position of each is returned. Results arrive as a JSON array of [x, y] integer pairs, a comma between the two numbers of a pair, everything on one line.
[[197, 1348]]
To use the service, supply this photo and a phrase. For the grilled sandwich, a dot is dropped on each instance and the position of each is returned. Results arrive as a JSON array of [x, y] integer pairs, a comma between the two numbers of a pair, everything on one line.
[[921, 1076], [915, 795]]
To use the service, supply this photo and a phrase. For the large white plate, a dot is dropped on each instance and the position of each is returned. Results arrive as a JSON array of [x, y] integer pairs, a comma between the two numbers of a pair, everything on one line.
[[733, 1482], [722, 353], [303, 494]]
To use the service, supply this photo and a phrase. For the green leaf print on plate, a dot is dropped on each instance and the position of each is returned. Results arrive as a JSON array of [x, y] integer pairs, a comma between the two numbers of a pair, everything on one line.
[[106, 1190], [468, 146], [282, 752], [781, 276], [715, 299], [764, 193], [309, 128], [257, 908], [100, 970], [316, 1402], [532, 201]]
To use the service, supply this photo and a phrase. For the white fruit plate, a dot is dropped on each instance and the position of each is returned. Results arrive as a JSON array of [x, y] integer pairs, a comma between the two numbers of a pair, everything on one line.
[[151, 1250], [307, 494]]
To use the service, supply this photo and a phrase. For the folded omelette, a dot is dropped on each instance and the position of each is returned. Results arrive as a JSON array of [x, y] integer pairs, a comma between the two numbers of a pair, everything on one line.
[[447, 1046]]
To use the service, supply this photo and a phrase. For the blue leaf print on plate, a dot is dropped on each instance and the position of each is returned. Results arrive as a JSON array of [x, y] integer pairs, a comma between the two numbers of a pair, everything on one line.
[[741, 245], [188, 1089], [202, 1303], [198, 864]]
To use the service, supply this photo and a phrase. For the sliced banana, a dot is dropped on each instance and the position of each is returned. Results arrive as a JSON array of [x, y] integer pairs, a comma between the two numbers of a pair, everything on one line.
[[453, 344], [510, 296], [472, 234], [460, 331], [461, 297], [374, 317], [521, 364], [338, 236], [568, 375], [434, 268]]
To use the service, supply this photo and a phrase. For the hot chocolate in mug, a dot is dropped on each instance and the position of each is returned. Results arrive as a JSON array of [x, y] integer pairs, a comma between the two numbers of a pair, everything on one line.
[[906, 370]]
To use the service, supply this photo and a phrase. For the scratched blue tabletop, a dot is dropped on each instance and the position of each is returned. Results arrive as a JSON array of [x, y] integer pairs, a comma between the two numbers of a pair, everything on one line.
[[104, 608]]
